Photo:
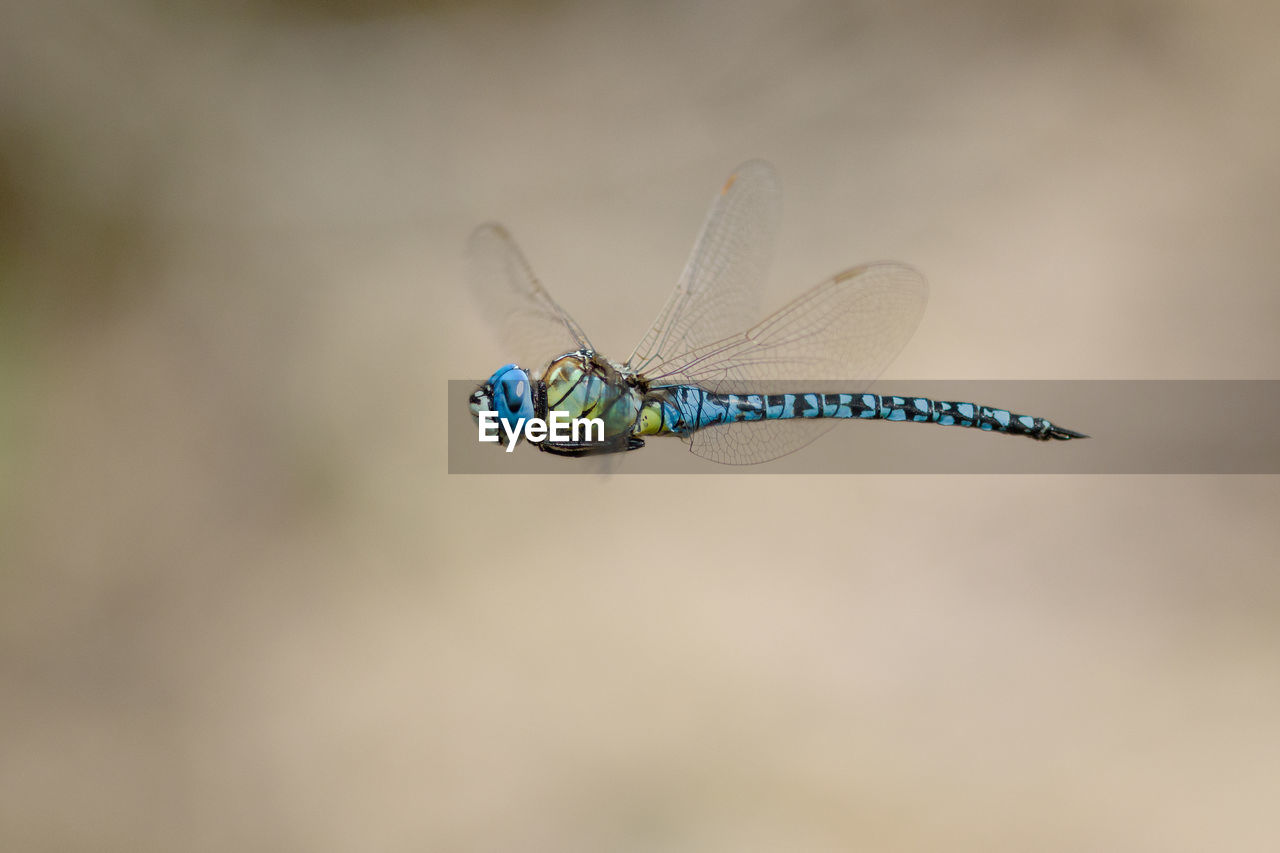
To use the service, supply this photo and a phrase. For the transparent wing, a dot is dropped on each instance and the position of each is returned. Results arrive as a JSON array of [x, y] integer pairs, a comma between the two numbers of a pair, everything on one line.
[[847, 328], [530, 323], [718, 292]]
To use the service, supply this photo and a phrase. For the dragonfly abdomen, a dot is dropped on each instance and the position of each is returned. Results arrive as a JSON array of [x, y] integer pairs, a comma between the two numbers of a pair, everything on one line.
[[683, 409]]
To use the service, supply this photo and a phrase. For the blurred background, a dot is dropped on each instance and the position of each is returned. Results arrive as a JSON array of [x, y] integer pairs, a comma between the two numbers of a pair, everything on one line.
[[244, 606]]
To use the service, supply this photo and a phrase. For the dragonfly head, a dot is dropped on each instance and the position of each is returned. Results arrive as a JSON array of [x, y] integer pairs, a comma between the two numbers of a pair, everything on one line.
[[509, 392]]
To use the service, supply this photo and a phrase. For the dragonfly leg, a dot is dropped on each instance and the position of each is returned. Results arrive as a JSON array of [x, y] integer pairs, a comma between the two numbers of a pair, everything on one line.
[[621, 444]]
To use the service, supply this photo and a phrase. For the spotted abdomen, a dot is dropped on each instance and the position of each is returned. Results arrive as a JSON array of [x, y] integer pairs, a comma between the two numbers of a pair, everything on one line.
[[683, 409]]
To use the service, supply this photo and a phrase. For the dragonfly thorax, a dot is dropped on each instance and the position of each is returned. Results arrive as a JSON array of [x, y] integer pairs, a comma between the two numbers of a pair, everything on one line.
[[584, 385]]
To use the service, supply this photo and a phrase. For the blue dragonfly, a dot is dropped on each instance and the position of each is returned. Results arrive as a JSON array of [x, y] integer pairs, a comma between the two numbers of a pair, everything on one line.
[[735, 396]]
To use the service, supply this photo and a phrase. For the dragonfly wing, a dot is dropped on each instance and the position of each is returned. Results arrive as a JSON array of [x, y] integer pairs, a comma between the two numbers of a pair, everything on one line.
[[529, 321], [749, 444], [718, 292], [847, 328]]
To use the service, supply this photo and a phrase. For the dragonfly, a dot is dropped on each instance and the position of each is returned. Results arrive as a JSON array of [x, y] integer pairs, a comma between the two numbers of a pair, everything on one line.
[[707, 371]]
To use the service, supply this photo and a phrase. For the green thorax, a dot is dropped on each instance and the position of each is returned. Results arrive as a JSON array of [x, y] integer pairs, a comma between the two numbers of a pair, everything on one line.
[[584, 385]]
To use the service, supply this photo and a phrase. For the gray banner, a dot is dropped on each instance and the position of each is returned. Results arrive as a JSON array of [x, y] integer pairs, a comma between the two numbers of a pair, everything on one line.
[[1135, 427]]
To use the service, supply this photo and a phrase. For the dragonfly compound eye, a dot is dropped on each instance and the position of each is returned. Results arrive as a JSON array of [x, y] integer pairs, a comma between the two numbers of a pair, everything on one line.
[[512, 394]]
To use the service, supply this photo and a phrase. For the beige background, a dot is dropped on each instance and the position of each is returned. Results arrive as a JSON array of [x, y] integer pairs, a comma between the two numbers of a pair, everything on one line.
[[243, 606]]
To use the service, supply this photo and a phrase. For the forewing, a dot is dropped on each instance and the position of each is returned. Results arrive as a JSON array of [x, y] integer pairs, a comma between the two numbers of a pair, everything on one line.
[[530, 323], [718, 292]]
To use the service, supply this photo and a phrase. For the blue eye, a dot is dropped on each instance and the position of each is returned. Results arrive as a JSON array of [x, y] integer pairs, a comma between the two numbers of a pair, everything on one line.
[[512, 394]]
